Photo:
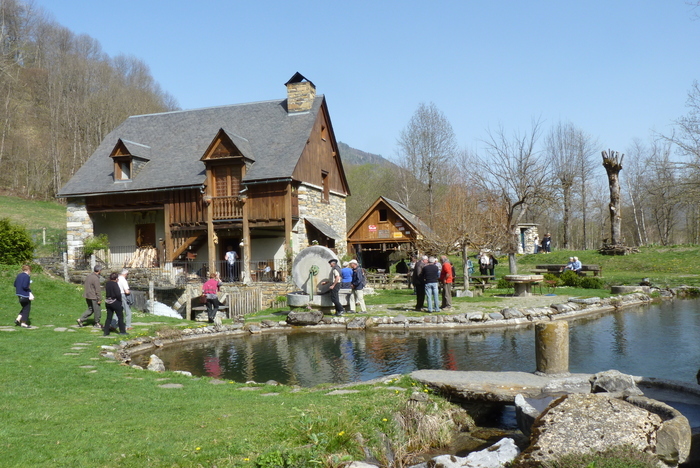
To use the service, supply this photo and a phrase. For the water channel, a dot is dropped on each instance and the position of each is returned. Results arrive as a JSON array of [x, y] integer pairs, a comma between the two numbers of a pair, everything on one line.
[[661, 340]]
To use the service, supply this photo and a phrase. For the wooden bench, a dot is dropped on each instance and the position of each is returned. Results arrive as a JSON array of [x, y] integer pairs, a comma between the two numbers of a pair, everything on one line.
[[555, 269]]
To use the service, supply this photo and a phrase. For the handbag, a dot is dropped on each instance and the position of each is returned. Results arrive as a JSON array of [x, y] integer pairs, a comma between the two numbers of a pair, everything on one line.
[[203, 299]]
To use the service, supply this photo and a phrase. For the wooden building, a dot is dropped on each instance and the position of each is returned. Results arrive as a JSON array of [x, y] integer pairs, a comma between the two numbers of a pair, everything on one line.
[[386, 227], [264, 178]]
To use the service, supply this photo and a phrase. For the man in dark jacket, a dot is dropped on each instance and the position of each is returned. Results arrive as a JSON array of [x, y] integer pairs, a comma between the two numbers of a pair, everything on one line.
[[430, 276], [418, 282]]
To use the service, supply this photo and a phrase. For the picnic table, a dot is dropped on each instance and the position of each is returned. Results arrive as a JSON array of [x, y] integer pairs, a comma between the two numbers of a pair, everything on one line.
[[555, 269], [523, 283]]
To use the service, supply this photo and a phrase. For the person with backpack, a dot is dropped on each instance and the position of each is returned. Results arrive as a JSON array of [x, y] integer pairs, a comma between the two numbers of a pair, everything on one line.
[[359, 280]]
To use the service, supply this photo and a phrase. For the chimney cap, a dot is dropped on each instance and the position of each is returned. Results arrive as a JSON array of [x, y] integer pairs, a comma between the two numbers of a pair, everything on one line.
[[298, 78]]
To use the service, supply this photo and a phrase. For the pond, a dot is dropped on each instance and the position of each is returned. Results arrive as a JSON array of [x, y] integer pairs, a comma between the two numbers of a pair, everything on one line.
[[660, 340]]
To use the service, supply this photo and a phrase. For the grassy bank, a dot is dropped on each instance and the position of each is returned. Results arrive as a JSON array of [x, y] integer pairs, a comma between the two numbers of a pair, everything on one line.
[[61, 405]]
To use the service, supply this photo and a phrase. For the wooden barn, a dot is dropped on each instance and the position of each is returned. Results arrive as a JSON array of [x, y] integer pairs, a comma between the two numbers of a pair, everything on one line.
[[386, 227], [263, 179]]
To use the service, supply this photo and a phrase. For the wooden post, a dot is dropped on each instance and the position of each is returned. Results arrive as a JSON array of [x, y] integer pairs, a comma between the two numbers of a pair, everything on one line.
[[167, 257], [245, 251], [65, 266], [151, 296]]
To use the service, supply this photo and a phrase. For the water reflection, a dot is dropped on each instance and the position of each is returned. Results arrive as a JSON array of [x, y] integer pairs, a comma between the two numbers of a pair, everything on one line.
[[654, 341]]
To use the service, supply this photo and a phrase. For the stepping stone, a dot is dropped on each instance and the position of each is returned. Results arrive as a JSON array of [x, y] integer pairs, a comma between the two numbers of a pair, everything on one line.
[[71, 354], [60, 329], [171, 385], [269, 394], [217, 382], [87, 367], [342, 392]]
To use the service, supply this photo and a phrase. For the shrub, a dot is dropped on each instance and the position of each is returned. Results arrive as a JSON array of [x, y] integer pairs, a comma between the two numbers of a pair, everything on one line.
[[570, 278], [552, 277], [503, 284], [16, 245], [592, 283], [93, 244]]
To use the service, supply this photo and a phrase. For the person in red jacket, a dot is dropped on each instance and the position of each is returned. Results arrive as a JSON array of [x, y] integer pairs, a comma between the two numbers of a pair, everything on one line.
[[446, 279]]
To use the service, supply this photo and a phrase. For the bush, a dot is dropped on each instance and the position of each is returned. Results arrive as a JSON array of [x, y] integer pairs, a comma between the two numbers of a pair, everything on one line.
[[503, 284], [16, 245], [592, 283], [552, 277], [570, 278], [93, 244]]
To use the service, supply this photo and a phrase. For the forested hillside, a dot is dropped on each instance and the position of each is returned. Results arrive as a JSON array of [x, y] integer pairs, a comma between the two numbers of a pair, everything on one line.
[[60, 94]]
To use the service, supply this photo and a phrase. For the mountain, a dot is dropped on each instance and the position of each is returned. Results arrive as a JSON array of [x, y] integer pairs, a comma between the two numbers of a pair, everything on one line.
[[355, 157]]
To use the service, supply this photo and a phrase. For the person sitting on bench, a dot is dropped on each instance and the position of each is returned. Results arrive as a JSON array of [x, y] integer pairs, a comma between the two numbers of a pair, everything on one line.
[[573, 265]]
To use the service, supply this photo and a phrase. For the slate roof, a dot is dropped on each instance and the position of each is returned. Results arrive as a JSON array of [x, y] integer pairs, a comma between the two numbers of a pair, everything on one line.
[[409, 216], [174, 142]]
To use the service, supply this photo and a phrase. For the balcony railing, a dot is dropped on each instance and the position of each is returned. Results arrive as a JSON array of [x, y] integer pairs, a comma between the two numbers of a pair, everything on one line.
[[227, 207]]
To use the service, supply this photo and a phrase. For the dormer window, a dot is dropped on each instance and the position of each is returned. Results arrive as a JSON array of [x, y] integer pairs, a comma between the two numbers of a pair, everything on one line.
[[129, 158]]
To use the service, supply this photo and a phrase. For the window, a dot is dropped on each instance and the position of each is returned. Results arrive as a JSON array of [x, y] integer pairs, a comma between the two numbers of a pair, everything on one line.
[[383, 215], [125, 170], [326, 189], [122, 169]]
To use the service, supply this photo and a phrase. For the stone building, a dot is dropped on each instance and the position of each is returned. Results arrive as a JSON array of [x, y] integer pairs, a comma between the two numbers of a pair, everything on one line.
[[264, 178]]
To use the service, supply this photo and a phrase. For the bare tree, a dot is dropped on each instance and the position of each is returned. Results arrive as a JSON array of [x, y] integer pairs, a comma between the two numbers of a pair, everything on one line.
[[569, 150], [426, 146], [635, 183], [514, 171]]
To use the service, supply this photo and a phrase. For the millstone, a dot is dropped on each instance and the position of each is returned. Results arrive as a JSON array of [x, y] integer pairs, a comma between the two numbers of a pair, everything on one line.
[[315, 257]]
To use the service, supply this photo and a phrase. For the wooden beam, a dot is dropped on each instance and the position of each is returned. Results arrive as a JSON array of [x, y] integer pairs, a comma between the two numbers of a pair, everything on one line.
[[183, 247]]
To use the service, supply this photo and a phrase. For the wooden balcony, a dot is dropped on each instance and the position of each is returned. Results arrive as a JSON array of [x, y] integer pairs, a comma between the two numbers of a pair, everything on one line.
[[227, 208]]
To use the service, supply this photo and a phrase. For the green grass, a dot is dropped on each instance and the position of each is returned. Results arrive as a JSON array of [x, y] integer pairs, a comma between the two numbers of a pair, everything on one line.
[[34, 214], [57, 412]]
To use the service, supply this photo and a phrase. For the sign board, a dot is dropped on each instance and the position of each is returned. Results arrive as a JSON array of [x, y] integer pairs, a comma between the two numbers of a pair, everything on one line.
[[398, 234], [383, 234], [372, 228]]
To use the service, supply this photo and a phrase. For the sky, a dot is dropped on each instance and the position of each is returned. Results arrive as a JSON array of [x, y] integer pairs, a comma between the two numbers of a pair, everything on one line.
[[616, 69]]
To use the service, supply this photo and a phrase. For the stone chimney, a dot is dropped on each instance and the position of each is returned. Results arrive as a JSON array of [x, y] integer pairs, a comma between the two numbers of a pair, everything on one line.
[[300, 94]]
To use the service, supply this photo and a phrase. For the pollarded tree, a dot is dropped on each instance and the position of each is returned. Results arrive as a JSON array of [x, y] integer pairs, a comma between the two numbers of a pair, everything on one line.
[[426, 147], [612, 162]]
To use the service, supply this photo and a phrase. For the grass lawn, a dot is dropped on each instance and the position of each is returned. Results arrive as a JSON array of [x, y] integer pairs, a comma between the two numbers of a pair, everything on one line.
[[61, 405]]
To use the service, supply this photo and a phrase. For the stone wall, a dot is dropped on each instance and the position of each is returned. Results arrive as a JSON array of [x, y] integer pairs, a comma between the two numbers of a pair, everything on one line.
[[79, 226], [333, 213]]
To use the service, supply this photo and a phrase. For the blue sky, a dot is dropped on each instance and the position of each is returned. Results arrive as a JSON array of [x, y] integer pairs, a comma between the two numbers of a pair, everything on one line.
[[616, 69]]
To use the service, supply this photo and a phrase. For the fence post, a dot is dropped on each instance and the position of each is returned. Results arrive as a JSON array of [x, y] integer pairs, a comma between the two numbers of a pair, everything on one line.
[[151, 296], [65, 266], [92, 262]]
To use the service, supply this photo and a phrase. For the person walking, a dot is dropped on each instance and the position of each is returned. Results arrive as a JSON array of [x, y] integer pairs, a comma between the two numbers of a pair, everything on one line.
[[446, 279], [358, 287], [210, 289], [126, 297], [431, 275], [231, 258], [418, 282], [23, 291], [93, 297], [113, 302]]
